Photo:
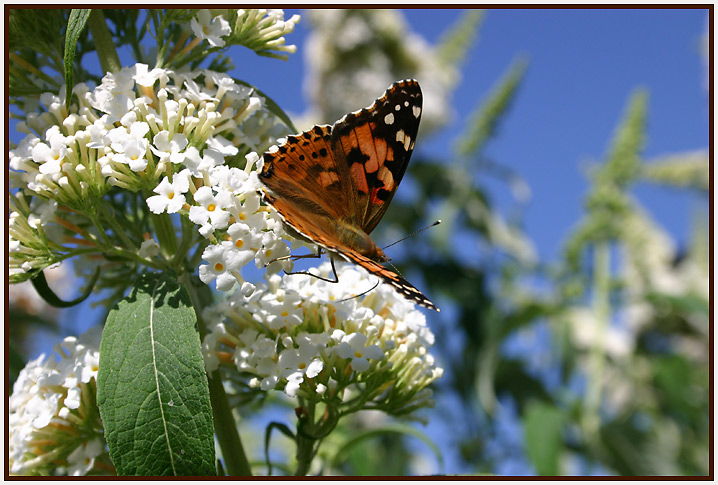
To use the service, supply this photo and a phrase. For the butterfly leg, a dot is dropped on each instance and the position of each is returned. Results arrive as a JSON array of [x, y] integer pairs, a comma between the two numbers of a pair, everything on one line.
[[295, 257], [334, 269]]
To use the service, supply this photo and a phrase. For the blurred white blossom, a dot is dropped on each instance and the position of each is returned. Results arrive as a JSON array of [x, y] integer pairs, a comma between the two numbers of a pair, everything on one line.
[[352, 54], [53, 417]]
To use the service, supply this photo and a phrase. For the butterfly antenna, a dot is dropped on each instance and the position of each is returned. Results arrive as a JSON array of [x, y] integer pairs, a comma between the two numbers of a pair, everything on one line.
[[435, 223]]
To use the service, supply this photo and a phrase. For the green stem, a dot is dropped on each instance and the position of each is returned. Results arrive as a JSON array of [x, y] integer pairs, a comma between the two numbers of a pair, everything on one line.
[[235, 459], [108, 217], [188, 231], [305, 453], [104, 44], [602, 312], [166, 235], [305, 442]]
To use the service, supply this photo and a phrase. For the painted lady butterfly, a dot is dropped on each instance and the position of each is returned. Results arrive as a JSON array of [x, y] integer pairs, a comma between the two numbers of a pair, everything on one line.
[[333, 184]]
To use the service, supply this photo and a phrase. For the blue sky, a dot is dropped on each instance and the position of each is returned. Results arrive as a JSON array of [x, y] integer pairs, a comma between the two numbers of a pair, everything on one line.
[[583, 66]]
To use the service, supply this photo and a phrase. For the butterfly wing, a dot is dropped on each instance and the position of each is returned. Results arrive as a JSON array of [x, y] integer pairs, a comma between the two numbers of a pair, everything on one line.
[[330, 178], [400, 284], [303, 174], [376, 143]]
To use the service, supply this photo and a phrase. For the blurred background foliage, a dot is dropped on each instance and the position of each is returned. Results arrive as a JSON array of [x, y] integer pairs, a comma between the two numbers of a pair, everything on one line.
[[622, 318]]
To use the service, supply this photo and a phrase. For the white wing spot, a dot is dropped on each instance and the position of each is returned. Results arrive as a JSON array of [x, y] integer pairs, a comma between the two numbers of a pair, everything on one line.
[[407, 143], [417, 111], [406, 103], [400, 136], [397, 107], [389, 119]]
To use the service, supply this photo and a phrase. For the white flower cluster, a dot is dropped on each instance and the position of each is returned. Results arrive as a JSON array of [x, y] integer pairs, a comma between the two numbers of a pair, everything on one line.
[[249, 232], [209, 28], [138, 122], [53, 418], [180, 135], [316, 339], [261, 30]]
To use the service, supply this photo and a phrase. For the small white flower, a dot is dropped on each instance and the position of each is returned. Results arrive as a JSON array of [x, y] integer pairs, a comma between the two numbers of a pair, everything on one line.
[[274, 248], [170, 196], [229, 178], [222, 145], [147, 78], [295, 364], [245, 240], [223, 259], [169, 149], [247, 211], [136, 130], [99, 134], [133, 154], [82, 460], [353, 347], [211, 208], [201, 164], [149, 249], [285, 314], [211, 29]]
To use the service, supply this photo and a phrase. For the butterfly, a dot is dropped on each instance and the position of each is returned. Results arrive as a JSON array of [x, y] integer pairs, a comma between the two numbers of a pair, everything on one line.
[[333, 183]]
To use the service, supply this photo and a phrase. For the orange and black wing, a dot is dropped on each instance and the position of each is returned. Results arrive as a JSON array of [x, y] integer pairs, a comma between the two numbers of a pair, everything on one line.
[[375, 145], [303, 174], [406, 289], [347, 172]]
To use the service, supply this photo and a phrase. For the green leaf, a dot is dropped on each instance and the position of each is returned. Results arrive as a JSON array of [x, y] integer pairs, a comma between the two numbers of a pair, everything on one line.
[[40, 284], [542, 432], [104, 42], [152, 387], [267, 436], [75, 26]]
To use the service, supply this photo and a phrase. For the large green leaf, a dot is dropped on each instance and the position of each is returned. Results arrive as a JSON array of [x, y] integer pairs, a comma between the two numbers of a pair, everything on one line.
[[152, 387]]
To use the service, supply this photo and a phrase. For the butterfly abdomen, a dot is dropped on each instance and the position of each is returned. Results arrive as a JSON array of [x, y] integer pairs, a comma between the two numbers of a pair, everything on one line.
[[353, 237]]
